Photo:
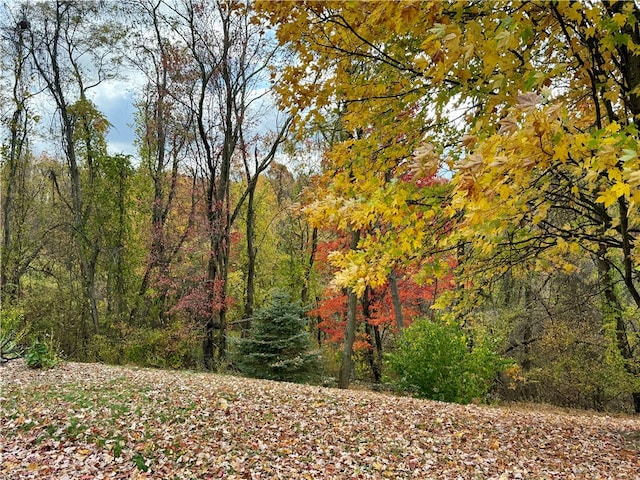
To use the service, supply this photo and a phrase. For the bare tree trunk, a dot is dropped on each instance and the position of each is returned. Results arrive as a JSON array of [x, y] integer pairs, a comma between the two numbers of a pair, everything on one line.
[[17, 141], [374, 352], [304, 294], [252, 253], [259, 166], [219, 216], [350, 329], [627, 244], [395, 298]]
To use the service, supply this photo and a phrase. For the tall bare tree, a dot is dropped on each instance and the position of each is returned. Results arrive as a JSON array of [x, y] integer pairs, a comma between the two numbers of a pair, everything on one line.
[[71, 45], [14, 59], [227, 57], [165, 128]]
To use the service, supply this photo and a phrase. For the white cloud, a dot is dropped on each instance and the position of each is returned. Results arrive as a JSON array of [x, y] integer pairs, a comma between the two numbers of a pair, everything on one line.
[[115, 100]]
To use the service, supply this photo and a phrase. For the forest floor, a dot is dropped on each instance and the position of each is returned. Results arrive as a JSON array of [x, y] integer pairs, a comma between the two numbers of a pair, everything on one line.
[[90, 421]]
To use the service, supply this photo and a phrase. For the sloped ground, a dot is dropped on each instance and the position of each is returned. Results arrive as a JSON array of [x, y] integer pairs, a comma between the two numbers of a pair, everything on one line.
[[89, 421]]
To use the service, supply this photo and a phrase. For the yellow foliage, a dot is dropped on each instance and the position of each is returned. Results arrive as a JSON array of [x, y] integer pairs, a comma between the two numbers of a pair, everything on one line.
[[547, 130]]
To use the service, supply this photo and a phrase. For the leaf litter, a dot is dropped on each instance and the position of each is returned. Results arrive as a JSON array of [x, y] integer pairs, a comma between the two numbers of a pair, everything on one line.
[[91, 421]]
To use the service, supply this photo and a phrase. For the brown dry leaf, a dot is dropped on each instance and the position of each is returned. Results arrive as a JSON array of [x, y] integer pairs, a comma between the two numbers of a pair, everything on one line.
[[508, 125], [85, 421], [529, 101]]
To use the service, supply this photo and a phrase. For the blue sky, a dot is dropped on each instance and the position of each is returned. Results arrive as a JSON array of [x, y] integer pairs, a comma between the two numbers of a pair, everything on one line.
[[115, 100]]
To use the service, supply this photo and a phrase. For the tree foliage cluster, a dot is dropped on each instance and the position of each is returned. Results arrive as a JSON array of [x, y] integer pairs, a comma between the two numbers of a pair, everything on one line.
[[473, 165], [531, 109]]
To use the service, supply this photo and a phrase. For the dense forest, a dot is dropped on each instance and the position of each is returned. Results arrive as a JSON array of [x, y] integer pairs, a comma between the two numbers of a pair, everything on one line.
[[438, 197]]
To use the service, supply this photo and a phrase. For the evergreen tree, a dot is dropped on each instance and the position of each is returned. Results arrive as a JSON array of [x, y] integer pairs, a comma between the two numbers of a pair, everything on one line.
[[278, 347]]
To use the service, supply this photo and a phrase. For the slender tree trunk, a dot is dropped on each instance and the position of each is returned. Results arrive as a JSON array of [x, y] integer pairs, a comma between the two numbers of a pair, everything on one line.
[[219, 180], [627, 246], [18, 129], [527, 333], [304, 294], [350, 329], [349, 338], [93, 301], [87, 265], [374, 351], [395, 298], [306, 280], [17, 140], [252, 253], [120, 274], [214, 345]]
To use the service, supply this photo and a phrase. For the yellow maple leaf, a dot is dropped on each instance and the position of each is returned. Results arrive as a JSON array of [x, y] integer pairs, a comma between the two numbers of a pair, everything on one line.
[[613, 127], [561, 152], [607, 197], [621, 189]]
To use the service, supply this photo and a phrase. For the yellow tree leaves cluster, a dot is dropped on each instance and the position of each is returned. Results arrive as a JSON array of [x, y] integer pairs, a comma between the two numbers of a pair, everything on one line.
[[365, 92], [533, 106]]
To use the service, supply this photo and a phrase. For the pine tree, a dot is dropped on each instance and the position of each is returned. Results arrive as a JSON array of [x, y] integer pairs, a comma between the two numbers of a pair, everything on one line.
[[278, 347]]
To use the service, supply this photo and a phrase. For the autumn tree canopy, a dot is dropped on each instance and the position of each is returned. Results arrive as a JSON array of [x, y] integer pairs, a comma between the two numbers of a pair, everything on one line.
[[511, 96], [532, 107]]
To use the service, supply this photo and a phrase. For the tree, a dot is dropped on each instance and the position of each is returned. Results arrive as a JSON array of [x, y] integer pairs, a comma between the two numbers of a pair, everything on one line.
[[278, 346], [577, 194], [253, 171], [545, 160], [165, 128], [62, 43], [259, 252], [376, 323], [18, 131], [377, 173], [20, 243], [227, 57]]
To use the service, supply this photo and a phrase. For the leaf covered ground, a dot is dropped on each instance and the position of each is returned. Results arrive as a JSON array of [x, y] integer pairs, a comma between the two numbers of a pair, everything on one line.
[[90, 421]]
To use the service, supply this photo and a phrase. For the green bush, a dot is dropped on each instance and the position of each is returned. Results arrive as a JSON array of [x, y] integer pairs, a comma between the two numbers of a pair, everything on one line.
[[175, 346], [436, 361], [278, 347], [41, 354]]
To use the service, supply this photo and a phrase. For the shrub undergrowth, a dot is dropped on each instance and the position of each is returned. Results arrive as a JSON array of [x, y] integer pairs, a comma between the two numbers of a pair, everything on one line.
[[439, 362]]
